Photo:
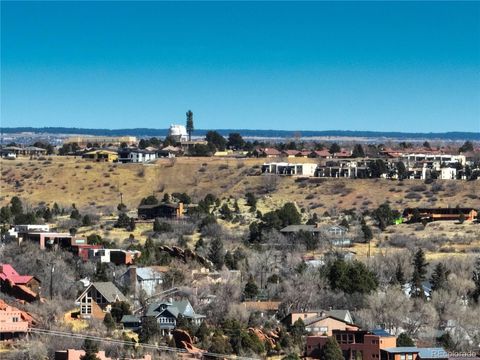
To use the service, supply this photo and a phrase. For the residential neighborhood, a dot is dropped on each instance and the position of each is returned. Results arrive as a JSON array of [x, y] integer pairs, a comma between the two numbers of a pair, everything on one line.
[[245, 180]]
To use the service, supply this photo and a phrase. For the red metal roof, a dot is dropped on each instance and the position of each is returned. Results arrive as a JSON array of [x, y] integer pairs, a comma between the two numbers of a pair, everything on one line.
[[8, 273]]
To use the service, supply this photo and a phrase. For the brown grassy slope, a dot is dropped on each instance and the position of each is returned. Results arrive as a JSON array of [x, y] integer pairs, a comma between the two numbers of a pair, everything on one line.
[[68, 180]]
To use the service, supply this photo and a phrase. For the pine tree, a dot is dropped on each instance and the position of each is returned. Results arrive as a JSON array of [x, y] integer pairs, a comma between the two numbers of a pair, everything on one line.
[[251, 289], [91, 349], [216, 253], [418, 277], [476, 281], [439, 277], [331, 350], [109, 322], [404, 340], [189, 124], [399, 275]]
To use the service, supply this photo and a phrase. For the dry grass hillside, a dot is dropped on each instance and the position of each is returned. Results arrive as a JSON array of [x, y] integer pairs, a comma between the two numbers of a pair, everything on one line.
[[67, 180]]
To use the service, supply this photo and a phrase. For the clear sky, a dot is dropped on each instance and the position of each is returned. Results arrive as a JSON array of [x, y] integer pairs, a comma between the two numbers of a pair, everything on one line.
[[382, 66]]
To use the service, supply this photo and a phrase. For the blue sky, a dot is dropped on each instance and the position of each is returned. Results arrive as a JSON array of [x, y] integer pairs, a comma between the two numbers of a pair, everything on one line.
[[386, 66]]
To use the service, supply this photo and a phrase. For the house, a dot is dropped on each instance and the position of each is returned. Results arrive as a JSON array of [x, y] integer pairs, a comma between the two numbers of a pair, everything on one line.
[[162, 210], [413, 353], [145, 279], [116, 256], [73, 354], [291, 318], [433, 214], [8, 154], [131, 322], [127, 155], [290, 153], [83, 141], [323, 154], [14, 323], [97, 299], [266, 152], [283, 168], [83, 250], [22, 287], [170, 151], [324, 324], [101, 156], [168, 312], [335, 234], [354, 344], [426, 288], [15, 151]]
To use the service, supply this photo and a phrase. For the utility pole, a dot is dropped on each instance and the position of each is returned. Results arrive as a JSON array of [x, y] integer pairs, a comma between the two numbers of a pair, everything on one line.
[[52, 269]]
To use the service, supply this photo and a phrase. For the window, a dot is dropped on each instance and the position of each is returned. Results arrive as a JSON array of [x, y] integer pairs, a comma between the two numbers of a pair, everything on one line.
[[410, 356], [402, 356], [15, 319]]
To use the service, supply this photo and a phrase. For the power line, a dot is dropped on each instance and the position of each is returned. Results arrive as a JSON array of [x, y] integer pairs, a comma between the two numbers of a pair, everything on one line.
[[40, 331]]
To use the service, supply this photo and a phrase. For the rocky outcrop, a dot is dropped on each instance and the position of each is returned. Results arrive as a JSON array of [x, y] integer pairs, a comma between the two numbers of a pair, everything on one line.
[[183, 340], [186, 255]]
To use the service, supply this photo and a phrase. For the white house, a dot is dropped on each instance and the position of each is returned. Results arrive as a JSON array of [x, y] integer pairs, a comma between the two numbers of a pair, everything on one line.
[[284, 168], [136, 155]]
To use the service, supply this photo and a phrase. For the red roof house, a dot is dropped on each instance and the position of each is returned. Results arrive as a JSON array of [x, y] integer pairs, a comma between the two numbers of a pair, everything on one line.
[[22, 287]]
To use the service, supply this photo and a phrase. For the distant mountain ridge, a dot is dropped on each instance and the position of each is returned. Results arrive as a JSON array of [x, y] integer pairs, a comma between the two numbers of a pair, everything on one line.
[[148, 132]]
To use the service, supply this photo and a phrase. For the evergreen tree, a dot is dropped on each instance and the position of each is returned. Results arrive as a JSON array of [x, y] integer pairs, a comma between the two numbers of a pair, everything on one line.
[[367, 233], [418, 277], [334, 148], [358, 151], [149, 330], [56, 209], [109, 322], [5, 215], [399, 275], [226, 212], [476, 281], [75, 214], [251, 289], [123, 221], [216, 253], [120, 308], [251, 200], [161, 226], [91, 349], [189, 124], [439, 277], [86, 220], [401, 170], [235, 141], [404, 340], [331, 350], [16, 206], [466, 147], [215, 140]]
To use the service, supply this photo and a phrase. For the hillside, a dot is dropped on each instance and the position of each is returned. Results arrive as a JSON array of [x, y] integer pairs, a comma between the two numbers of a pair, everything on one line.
[[87, 184]]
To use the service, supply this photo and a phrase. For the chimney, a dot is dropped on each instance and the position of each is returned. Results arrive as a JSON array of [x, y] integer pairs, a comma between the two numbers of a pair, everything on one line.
[[133, 279]]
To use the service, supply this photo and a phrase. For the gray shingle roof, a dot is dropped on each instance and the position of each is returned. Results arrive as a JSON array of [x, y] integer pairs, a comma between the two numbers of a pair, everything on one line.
[[179, 307], [109, 291], [129, 319]]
